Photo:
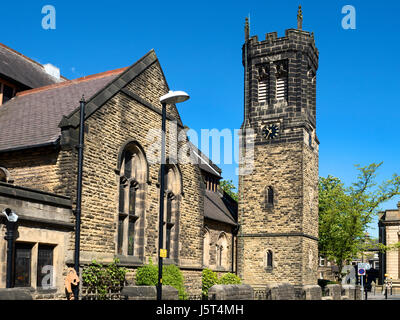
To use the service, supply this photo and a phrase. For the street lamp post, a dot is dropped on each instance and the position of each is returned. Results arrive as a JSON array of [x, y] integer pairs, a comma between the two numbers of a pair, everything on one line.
[[172, 97], [11, 225], [79, 193]]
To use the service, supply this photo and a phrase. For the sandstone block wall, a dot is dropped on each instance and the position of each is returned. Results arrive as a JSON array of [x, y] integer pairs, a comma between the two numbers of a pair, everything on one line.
[[289, 228], [231, 292]]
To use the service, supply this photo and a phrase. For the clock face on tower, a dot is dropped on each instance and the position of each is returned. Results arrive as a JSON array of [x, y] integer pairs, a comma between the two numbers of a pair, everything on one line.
[[271, 131]]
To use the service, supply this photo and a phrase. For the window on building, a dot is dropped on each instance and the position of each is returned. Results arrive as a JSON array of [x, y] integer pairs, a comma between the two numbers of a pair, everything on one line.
[[171, 204], [269, 196], [22, 265], [281, 80], [222, 251], [263, 84], [321, 261], [45, 266], [133, 177], [269, 259], [206, 247]]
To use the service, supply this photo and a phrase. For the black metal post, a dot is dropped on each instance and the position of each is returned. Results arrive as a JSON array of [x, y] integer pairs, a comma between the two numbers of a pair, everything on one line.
[[161, 215], [79, 192], [11, 226], [386, 292]]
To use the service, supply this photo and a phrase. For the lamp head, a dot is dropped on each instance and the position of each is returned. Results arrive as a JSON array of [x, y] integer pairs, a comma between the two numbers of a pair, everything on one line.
[[173, 97], [10, 215]]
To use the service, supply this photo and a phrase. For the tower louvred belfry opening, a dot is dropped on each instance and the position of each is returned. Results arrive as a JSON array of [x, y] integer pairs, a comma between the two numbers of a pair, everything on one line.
[[280, 106]]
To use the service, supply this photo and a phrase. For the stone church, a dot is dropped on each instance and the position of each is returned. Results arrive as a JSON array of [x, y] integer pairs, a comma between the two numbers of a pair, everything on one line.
[[270, 235], [39, 119]]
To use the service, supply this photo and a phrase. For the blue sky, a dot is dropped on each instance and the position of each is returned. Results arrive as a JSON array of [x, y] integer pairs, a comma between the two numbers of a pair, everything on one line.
[[199, 47]]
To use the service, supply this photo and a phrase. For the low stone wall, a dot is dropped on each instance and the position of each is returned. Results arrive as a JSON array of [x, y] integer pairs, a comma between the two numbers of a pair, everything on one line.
[[280, 291], [231, 292], [352, 292], [312, 292], [15, 294], [334, 291], [148, 293]]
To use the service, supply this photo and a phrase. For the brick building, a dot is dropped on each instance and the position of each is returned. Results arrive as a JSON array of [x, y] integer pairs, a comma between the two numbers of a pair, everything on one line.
[[38, 160], [278, 202]]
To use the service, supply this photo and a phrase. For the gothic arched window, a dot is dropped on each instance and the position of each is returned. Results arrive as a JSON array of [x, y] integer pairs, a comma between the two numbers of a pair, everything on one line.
[[263, 84], [131, 207], [269, 196], [206, 247], [222, 251], [269, 259], [172, 196], [281, 80]]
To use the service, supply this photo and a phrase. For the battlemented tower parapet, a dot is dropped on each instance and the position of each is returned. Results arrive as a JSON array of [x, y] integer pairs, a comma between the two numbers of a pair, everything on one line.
[[278, 201], [281, 73]]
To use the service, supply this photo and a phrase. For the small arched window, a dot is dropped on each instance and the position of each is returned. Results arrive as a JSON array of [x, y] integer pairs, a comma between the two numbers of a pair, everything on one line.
[[269, 259], [281, 80], [222, 251], [269, 196], [206, 247]]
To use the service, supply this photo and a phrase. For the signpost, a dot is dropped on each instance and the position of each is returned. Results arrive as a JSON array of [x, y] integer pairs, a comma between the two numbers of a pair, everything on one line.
[[362, 269]]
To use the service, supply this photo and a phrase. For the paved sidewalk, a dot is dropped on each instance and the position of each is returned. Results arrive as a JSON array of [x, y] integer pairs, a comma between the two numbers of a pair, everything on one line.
[[379, 296]]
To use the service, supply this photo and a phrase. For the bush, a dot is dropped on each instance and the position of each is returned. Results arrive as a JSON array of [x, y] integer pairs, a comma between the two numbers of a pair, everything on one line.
[[323, 282], [172, 276], [208, 279], [229, 278], [147, 275], [101, 278]]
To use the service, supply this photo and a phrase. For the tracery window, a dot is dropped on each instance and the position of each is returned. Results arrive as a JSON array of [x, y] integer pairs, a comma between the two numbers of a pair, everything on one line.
[[172, 196], [132, 184]]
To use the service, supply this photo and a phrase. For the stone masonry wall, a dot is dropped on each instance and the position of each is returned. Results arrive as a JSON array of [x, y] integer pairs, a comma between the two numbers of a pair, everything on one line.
[[291, 170], [216, 228], [393, 256], [44, 168]]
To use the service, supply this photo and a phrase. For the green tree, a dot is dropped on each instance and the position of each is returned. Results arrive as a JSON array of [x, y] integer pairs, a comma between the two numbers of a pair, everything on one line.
[[346, 212], [229, 187]]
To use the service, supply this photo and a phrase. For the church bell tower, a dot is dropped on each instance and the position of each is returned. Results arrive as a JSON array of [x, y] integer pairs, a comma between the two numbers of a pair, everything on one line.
[[278, 200]]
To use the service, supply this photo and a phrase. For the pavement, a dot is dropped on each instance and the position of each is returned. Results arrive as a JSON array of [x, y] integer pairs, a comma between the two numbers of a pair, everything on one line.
[[380, 296]]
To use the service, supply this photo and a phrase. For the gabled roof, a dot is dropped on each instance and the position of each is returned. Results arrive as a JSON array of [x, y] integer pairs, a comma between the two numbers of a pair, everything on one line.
[[34, 117], [216, 209], [16, 67]]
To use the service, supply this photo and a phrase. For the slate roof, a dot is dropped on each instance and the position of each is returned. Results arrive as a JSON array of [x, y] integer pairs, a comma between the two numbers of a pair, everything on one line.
[[216, 209], [14, 66], [32, 117]]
